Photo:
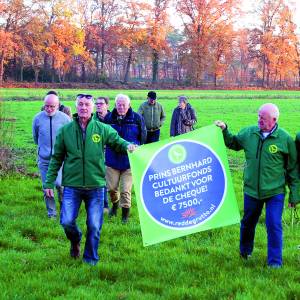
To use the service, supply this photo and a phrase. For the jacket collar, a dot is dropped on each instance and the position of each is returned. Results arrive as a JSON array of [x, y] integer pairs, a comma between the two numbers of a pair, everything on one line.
[[115, 114], [273, 133]]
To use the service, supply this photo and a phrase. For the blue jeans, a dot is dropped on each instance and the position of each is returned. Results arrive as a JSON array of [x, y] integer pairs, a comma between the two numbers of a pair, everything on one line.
[[252, 211], [93, 198], [50, 201], [152, 136], [105, 198]]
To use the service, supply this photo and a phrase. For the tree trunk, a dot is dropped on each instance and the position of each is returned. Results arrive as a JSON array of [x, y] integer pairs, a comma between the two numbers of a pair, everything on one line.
[[102, 62], [264, 71], [1, 67], [21, 69], [126, 76], [155, 57], [97, 66], [215, 80], [53, 71], [36, 75], [83, 75]]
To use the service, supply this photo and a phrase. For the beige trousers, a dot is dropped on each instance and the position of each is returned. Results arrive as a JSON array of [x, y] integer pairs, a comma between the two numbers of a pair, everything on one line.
[[119, 184]]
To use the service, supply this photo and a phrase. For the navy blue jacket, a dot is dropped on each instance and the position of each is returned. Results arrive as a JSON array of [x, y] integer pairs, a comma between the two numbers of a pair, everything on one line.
[[132, 129]]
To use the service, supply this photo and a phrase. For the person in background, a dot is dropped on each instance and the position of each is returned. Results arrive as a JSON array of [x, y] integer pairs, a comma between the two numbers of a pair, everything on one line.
[[65, 109], [80, 147], [44, 130], [183, 117], [271, 164], [130, 127], [154, 116], [102, 109]]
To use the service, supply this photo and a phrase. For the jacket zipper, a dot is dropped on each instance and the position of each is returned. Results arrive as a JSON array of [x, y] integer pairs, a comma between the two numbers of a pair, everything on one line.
[[259, 160], [51, 142], [152, 121], [83, 147], [77, 140]]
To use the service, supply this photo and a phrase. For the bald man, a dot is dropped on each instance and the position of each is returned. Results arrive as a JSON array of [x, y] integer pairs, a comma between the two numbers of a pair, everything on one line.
[[44, 129], [271, 164]]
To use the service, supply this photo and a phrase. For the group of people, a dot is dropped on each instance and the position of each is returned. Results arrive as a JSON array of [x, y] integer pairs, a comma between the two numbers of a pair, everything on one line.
[[87, 155]]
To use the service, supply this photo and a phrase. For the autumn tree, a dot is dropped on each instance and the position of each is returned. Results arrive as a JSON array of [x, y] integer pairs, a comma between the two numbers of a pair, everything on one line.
[[15, 16], [132, 31], [67, 42], [158, 26], [203, 20]]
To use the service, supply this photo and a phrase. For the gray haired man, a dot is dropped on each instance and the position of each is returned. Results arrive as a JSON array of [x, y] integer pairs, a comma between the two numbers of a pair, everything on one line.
[[44, 129]]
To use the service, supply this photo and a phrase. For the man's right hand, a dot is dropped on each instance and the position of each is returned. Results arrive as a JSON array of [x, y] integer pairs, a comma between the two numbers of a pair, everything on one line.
[[220, 124], [49, 193]]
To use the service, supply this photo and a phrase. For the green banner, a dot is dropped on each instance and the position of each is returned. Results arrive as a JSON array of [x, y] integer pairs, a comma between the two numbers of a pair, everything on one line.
[[183, 185]]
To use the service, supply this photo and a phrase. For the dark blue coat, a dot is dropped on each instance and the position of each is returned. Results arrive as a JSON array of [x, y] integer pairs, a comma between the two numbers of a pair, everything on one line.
[[132, 129]]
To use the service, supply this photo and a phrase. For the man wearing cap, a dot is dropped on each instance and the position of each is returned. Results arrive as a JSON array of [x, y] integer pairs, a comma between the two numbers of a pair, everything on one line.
[[154, 116], [183, 117], [44, 130], [80, 147], [271, 164]]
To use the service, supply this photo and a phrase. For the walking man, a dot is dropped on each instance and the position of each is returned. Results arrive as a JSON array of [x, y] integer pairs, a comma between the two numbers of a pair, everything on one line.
[[44, 130], [80, 147], [130, 127], [271, 164], [154, 117]]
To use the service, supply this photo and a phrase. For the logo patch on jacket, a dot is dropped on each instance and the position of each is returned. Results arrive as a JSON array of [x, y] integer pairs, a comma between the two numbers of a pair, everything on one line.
[[273, 149], [96, 138]]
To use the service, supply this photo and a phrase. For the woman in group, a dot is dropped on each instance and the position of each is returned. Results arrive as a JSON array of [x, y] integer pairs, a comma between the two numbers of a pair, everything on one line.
[[183, 118]]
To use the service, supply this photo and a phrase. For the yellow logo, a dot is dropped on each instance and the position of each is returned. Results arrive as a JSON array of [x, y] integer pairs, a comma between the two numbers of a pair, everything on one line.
[[96, 138], [273, 148]]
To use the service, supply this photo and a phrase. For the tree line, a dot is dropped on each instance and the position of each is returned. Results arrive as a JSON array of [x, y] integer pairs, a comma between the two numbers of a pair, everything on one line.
[[134, 40]]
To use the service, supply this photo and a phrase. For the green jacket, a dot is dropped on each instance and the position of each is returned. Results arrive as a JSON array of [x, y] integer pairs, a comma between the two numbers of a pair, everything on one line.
[[271, 163], [153, 115], [83, 161]]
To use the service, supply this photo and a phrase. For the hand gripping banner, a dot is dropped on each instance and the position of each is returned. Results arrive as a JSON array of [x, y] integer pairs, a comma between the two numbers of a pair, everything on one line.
[[183, 185]]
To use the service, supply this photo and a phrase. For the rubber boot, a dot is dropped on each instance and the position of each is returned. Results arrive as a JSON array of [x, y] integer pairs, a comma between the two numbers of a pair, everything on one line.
[[113, 210], [125, 214]]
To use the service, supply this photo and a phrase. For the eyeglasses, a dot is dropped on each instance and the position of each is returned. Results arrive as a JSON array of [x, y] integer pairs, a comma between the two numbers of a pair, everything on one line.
[[84, 96], [49, 106], [100, 103]]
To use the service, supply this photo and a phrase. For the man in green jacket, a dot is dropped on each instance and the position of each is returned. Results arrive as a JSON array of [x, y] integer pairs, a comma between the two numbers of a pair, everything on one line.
[[79, 147], [271, 164], [154, 116]]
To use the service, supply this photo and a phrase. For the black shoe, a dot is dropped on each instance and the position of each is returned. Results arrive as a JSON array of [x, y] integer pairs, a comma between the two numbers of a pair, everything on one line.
[[125, 214], [113, 211], [75, 249]]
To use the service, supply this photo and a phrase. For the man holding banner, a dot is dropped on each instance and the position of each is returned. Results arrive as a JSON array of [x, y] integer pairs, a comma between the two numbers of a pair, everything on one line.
[[271, 163]]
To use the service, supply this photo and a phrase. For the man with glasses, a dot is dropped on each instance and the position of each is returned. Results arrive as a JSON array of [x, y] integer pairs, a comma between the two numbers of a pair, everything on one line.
[[80, 147], [61, 107], [102, 105], [44, 129]]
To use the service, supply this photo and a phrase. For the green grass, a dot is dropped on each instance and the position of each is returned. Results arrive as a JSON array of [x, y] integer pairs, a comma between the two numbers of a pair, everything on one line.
[[34, 253]]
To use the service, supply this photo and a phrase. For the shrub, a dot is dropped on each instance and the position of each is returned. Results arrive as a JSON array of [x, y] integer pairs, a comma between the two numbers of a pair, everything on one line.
[[6, 141]]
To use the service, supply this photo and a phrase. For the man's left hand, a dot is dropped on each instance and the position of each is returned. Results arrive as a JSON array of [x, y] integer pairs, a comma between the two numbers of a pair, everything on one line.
[[131, 147]]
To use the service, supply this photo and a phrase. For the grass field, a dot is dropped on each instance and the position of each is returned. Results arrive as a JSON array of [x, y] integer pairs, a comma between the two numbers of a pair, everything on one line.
[[34, 253]]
